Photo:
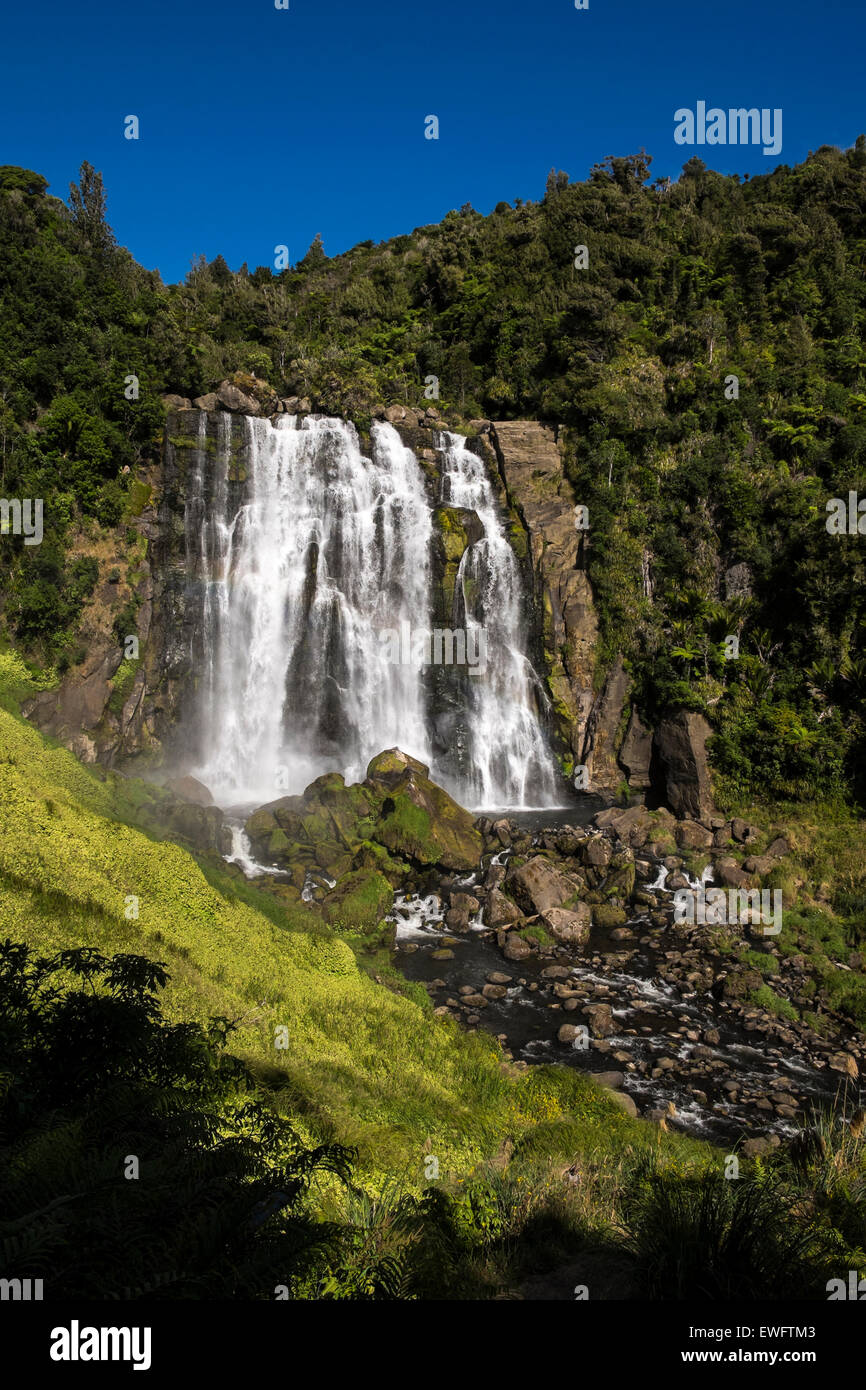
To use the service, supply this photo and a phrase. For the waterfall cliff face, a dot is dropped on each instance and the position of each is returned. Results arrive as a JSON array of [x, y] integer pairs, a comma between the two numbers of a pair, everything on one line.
[[304, 567]]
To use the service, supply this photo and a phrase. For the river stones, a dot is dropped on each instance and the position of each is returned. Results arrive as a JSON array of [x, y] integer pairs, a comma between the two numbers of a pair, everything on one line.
[[601, 1019], [843, 1062], [569, 1034], [515, 948]]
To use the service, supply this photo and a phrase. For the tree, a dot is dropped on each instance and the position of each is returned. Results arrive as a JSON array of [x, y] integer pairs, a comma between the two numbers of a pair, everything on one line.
[[87, 202], [94, 1077], [316, 255], [11, 177]]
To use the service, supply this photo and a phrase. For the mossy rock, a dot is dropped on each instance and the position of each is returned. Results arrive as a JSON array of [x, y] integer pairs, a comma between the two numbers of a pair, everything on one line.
[[333, 858], [278, 844], [418, 820], [369, 855], [389, 767], [620, 879], [359, 901], [603, 915]]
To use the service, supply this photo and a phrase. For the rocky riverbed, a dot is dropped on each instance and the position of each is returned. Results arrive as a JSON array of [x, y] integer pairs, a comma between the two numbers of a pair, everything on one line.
[[585, 937], [658, 1010]]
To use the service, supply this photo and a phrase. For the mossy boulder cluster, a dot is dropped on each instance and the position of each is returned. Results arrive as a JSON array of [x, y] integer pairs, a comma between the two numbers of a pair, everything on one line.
[[360, 842]]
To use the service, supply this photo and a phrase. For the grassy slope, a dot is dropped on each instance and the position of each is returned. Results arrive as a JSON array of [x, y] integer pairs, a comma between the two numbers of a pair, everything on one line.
[[364, 1064]]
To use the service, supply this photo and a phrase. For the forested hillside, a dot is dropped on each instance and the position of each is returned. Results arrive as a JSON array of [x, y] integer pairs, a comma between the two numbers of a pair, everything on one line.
[[686, 286]]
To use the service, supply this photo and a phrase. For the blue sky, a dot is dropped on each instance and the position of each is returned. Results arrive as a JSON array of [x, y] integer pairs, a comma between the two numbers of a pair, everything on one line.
[[260, 126]]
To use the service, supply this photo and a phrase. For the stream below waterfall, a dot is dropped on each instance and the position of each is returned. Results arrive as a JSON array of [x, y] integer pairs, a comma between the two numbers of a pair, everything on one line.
[[661, 1037]]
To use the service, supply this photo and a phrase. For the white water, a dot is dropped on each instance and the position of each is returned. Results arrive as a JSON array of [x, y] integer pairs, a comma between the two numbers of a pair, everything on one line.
[[327, 548], [510, 764], [301, 568]]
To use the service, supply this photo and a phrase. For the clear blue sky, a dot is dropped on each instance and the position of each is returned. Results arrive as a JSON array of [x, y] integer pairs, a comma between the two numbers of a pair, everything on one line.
[[261, 126]]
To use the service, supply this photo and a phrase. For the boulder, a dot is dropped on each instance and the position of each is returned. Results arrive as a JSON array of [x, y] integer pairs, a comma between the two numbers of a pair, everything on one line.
[[690, 835], [843, 1062], [605, 916], [601, 1019], [190, 789], [538, 885], [232, 398], [208, 402], [631, 826], [625, 1102], [200, 826], [569, 925], [778, 848], [418, 819], [516, 948], [597, 852], [731, 875], [499, 910], [568, 1034]]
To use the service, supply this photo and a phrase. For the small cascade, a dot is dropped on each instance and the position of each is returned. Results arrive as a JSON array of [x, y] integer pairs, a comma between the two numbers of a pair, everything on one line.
[[508, 761]]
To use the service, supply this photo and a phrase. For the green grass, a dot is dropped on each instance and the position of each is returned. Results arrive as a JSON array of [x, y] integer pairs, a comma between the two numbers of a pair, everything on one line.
[[367, 1063]]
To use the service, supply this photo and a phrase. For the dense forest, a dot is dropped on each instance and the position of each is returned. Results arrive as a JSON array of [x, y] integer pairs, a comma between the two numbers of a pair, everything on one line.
[[630, 349]]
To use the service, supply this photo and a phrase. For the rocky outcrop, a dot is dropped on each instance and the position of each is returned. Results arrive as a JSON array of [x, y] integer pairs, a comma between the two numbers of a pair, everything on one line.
[[114, 709], [635, 756], [525, 454], [599, 752], [681, 747], [370, 837]]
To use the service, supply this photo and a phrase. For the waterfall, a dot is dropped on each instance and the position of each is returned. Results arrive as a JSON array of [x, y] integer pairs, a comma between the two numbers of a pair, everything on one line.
[[508, 760], [302, 561], [326, 548]]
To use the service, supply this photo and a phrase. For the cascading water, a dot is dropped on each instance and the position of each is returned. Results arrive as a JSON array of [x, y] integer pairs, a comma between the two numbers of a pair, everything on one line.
[[508, 760], [302, 568], [326, 548]]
